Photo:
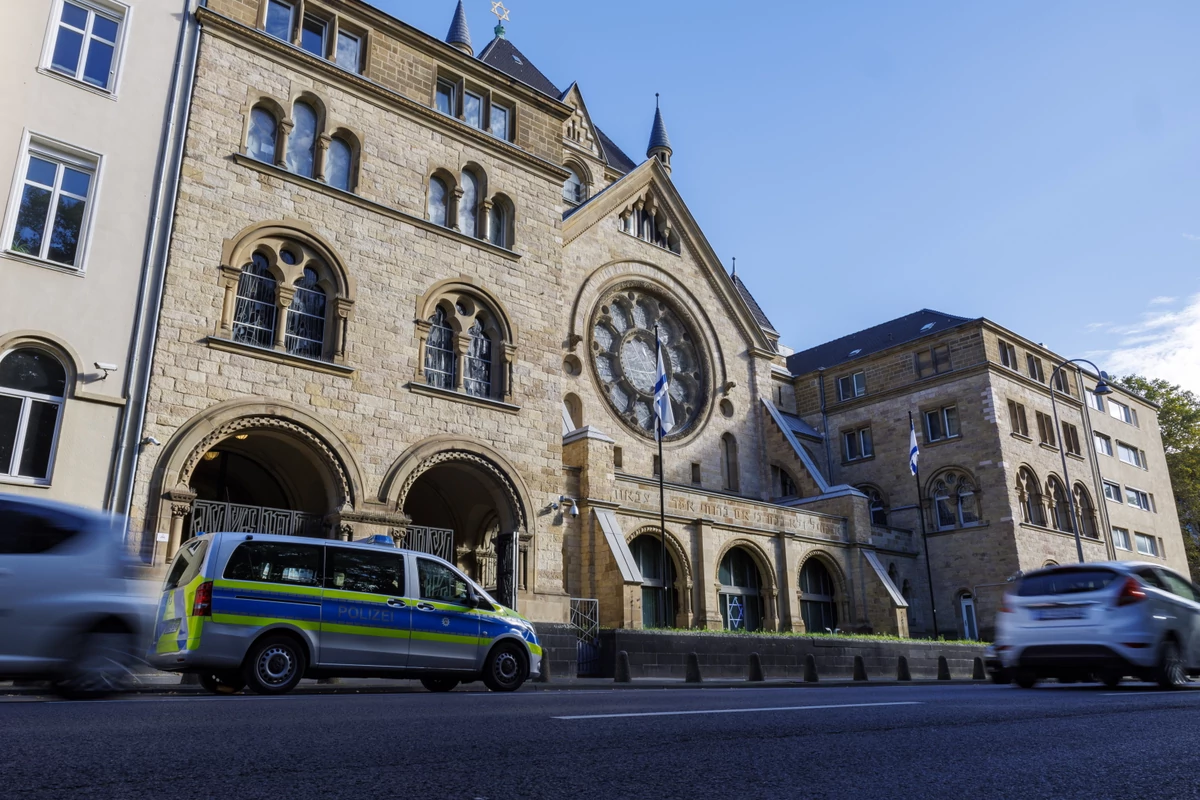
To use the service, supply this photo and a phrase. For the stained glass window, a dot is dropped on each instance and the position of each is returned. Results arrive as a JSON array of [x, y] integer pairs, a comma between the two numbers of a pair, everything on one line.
[[439, 352], [254, 312], [306, 318], [478, 378]]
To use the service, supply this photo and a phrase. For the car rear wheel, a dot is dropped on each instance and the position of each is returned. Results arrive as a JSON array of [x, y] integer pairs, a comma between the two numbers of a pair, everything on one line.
[[222, 682], [1170, 673], [439, 684], [274, 665], [99, 667], [505, 668], [1026, 678], [1111, 678]]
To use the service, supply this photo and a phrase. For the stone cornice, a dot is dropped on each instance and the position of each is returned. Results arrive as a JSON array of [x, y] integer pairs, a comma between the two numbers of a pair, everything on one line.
[[233, 31]]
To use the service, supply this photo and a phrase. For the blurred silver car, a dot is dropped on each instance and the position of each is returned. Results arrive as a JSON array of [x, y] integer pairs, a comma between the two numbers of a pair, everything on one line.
[[1106, 619], [67, 614]]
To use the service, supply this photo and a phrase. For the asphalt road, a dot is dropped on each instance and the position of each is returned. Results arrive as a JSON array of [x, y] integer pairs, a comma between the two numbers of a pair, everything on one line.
[[966, 741]]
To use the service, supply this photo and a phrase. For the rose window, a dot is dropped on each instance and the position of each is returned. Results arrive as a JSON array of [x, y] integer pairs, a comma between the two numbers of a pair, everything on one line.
[[623, 356]]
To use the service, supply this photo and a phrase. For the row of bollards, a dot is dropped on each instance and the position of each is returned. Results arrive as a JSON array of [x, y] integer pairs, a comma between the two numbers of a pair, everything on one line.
[[755, 672]]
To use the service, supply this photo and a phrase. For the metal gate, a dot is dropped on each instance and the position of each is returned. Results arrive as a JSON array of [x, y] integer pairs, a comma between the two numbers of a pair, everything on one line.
[[435, 541], [585, 619]]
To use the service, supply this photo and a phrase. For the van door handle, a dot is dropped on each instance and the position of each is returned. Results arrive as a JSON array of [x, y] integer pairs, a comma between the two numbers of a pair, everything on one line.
[[394, 603], [425, 607]]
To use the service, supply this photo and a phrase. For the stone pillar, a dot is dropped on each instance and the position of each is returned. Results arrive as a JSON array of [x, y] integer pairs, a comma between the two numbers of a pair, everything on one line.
[[229, 283], [286, 293], [790, 618], [321, 151], [175, 537], [285, 131], [708, 612]]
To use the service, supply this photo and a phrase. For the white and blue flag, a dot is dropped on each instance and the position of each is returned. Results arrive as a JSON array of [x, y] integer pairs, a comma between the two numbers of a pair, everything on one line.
[[662, 400], [913, 452]]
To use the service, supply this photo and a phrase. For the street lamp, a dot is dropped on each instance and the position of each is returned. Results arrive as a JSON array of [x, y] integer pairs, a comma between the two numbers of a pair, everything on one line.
[[1102, 388]]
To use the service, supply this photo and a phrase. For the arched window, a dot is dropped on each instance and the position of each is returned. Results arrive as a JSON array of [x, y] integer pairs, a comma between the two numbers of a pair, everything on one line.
[[1060, 506], [574, 408], [338, 162], [906, 591], [439, 210], [574, 188], [782, 484], [255, 313], [877, 505], [439, 352], [33, 384], [468, 204], [955, 500], [818, 603], [1086, 511], [739, 597], [302, 141], [500, 222], [478, 380], [1030, 495], [729, 463], [262, 137], [306, 317], [647, 552]]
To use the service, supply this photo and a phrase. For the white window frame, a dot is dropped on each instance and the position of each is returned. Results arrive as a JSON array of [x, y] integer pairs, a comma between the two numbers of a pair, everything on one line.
[[358, 66], [1124, 412], [1094, 400], [62, 153], [941, 413], [1120, 537], [1116, 488], [1152, 550], [857, 436], [1131, 493], [1008, 356], [27, 401], [325, 26], [109, 8], [1138, 461], [293, 10], [1034, 365], [1103, 444], [854, 385], [483, 109]]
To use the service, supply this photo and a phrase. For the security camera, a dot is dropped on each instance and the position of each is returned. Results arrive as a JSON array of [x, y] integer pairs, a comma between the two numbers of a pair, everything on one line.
[[574, 509], [105, 368], [151, 440]]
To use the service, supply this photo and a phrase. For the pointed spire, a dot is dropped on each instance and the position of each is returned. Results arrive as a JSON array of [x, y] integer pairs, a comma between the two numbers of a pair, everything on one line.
[[660, 143], [459, 35], [734, 265]]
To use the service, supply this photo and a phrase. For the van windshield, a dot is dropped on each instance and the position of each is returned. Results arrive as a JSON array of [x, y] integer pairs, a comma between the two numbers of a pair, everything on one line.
[[1065, 581], [186, 564]]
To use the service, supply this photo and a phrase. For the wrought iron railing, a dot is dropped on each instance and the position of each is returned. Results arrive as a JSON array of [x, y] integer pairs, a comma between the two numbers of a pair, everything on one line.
[[435, 541], [209, 516], [585, 620]]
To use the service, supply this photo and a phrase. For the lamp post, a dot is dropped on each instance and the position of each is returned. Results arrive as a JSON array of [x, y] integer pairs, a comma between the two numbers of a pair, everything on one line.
[[1102, 388]]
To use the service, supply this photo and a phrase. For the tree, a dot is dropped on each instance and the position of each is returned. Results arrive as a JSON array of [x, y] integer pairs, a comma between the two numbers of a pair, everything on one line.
[[1179, 422]]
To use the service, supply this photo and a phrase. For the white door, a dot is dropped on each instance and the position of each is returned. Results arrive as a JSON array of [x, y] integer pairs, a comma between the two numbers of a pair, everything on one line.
[[970, 629]]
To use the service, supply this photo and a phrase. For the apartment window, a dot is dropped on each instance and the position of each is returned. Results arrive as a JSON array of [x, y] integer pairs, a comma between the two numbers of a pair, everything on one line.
[[1112, 491], [941, 423], [1103, 444], [349, 51], [933, 361], [312, 35], [1035, 368], [851, 386], [1061, 382], [501, 120], [1094, 400], [1131, 455], [1147, 545], [1070, 436], [51, 210], [1008, 355], [1119, 410], [1016, 415], [447, 95], [86, 41], [33, 385], [858, 444], [473, 109], [1138, 499], [1120, 538], [1045, 429], [281, 19]]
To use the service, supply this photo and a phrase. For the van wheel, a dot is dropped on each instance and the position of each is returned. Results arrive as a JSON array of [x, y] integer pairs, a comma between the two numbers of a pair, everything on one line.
[[1170, 673], [1111, 678], [505, 668], [99, 667], [222, 682], [1026, 678], [274, 665], [439, 684]]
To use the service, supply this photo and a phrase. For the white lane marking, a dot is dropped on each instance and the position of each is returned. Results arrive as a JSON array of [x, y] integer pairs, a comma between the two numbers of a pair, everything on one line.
[[737, 710]]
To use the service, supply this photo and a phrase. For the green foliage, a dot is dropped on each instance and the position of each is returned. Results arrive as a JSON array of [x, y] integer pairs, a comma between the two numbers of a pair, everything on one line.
[[1179, 422]]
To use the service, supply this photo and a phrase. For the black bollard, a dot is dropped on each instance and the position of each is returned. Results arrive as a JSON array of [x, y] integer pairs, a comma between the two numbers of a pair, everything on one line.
[[978, 674], [860, 669], [943, 669], [693, 669], [902, 673], [544, 675], [623, 675], [810, 669], [756, 669]]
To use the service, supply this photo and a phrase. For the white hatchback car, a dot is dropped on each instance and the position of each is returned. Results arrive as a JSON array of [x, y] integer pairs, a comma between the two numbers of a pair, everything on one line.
[[67, 614], [1106, 619]]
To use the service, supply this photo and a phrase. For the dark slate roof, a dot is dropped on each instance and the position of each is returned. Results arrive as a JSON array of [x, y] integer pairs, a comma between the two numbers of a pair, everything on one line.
[[799, 427], [614, 155], [658, 133], [459, 33], [872, 340], [759, 316], [504, 56]]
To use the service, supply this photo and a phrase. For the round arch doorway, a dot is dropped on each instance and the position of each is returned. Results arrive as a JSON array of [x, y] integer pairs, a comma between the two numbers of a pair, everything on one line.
[[465, 509], [740, 594], [646, 549]]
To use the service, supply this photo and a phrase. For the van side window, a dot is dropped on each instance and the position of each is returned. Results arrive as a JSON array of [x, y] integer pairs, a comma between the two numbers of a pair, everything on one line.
[[440, 583], [1179, 586], [364, 571], [186, 564], [23, 532], [276, 562]]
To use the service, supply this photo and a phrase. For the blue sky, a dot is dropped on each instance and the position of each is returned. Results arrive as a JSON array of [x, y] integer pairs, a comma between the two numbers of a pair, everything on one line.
[[1031, 162]]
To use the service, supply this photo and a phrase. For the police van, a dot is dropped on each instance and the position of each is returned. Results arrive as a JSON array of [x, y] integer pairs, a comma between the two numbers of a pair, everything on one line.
[[263, 611]]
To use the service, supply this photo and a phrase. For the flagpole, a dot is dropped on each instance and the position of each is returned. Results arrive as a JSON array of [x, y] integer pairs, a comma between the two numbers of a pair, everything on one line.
[[924, 533], [662, 497]]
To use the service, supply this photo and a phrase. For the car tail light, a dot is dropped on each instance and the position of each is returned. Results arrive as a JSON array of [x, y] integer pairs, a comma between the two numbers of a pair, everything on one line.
[[1131, 593], [202, 604], [1005, 605]]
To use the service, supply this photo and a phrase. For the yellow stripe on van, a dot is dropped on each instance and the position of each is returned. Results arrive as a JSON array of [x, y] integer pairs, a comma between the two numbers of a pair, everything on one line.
[[362, 630]]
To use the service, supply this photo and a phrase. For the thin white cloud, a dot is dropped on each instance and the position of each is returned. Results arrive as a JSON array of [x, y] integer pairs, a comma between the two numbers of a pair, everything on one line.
[[1161, 300], [1097, 326], [1164, 344], [1192, 236]]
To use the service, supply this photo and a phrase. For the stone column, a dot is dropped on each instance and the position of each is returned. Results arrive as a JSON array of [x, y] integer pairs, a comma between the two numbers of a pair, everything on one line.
[[790, 618], [286, 293], [708, 610], [229, 283], [321, 151], [175, 537], [285, 131]]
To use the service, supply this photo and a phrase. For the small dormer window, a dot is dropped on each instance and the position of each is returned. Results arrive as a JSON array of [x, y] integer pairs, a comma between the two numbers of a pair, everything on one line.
[[928, 326], [854, 352]]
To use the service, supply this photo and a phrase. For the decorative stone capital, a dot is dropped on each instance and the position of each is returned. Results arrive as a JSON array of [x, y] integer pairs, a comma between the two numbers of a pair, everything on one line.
[[179, 510], [230, 276]]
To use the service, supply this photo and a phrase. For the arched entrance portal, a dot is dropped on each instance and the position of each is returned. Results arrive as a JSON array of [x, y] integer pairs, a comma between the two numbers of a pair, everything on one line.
[[740, 593], [466, 509], [647, 552]]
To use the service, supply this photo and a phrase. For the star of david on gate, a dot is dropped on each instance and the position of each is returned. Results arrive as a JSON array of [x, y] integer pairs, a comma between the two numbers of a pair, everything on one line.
[[736, 617]]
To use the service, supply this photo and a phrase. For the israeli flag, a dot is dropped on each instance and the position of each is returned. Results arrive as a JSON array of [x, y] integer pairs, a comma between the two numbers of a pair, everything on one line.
[[913, 452], [662, 399]]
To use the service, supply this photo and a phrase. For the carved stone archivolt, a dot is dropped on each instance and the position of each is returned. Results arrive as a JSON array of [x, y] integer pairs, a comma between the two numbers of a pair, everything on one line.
[[449, 456], [673, 544]]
